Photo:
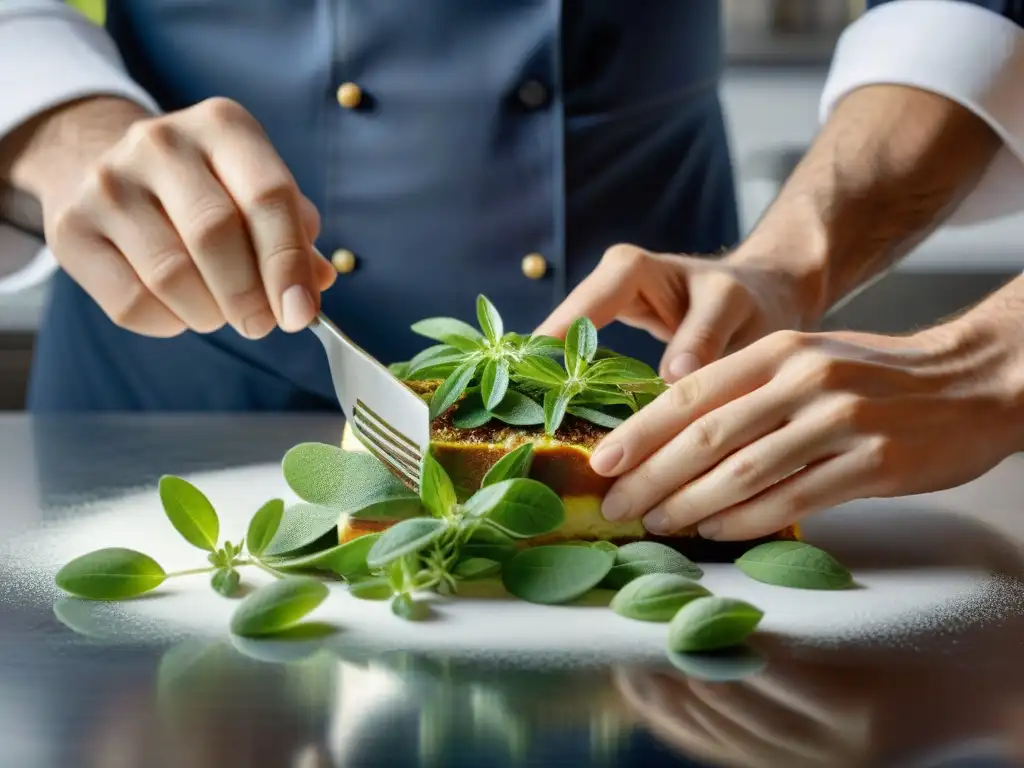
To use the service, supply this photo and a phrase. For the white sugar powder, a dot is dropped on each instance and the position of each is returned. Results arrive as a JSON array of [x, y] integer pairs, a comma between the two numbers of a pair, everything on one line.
[[893, 605]]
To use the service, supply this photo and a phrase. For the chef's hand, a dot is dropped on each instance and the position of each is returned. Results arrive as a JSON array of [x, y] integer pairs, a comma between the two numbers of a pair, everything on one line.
[[799, 422], [702, 308], [188, 221]]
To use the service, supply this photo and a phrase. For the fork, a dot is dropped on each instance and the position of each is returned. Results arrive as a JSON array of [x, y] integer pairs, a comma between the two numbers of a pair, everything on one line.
[[391, 420]]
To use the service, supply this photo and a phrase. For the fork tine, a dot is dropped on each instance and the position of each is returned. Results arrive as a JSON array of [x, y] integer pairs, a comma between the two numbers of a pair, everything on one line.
[[399, 469], [403, 446]]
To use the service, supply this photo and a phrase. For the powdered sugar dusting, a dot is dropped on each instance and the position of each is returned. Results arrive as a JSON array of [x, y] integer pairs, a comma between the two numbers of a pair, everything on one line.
[[894, 605]]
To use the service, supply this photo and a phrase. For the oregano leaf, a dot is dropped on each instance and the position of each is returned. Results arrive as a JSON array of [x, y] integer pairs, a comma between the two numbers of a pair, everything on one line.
[[278, 606], [489, 319], [476, 568], [470, 412], [347, 560], [450, 331], [620, 370], [541, 370], [518, 410], [264, 525], [556, 574], [436, 489], [114, 573], [643, 557], [515, 463], [405, 607], [594, 416], [520, 507], [656, 596], [794, 564], [225, 581], [190, 512], [711, 623], [494, 383], [404, 538], [451, 389], [556, 401], [580, 345]]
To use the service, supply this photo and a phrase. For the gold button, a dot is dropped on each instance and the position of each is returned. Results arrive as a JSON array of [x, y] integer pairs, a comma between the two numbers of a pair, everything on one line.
[[535, 266], [343, 260], [350, 95]]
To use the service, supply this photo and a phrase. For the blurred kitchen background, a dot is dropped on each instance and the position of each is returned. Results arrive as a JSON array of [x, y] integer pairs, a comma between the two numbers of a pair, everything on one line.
[[777, 59]]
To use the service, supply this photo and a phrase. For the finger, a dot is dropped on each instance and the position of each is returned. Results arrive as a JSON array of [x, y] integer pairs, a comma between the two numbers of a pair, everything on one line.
[[700, 446], [830, 482], [710, 323], [212, 229], [601, 295], [683, 403], [265, 192], [324, 275], [746, 473], [103, 272], [310, 218]]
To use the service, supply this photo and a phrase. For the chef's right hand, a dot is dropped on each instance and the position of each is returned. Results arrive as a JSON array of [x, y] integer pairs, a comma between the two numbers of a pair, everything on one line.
[[191, 221]]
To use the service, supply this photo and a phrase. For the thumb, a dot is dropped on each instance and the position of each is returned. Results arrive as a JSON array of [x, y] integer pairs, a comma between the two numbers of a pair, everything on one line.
[[702, 337]]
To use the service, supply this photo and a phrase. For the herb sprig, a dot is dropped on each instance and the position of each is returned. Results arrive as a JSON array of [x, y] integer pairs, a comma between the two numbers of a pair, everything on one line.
[[526, 380]]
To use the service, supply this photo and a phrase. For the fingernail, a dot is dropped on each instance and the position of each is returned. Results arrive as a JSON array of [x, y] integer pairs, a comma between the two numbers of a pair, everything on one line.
[[297, 308], [657, 522], [259, 325], [683, 365], [615, 506], [606, 458], [709, 528]]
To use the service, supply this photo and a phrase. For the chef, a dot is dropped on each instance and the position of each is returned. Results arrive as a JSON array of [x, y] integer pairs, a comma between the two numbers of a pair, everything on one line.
[[924, 122]]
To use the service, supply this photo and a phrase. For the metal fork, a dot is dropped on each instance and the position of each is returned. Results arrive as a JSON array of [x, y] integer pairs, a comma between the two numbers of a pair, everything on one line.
[[391, 420]]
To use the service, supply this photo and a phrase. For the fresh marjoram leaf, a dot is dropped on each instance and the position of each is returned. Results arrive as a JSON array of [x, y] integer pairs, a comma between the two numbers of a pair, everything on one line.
[[642, 557], [711, 623], [277, 606], [449, 331], [347, 560], [541, 370], [656, 596], [520, 507], [376, 588], [110, 574], [190, 512], [594, 416], [580, 345], [404, 538], [620, 370], [404, 607], [489, 319], [491, 544], [390, 509], [345, 481], [448, 392], [794, 564], [556, 574], [518, 410], [264, 525], [225, 581], [301, 525], [515, 463], [555, 403], [476, 568], [436, 489], [494, 383], [470, 413]]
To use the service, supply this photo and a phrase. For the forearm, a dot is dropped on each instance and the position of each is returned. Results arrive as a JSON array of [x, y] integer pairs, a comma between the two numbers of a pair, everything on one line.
[[45, 154], [889, 164]]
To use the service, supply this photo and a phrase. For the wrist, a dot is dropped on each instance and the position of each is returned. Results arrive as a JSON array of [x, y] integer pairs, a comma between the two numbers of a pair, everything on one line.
[[50, 153]]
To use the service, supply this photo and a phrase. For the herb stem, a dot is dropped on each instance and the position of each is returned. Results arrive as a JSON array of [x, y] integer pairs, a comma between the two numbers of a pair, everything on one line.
[[190, 572], [263, 567]]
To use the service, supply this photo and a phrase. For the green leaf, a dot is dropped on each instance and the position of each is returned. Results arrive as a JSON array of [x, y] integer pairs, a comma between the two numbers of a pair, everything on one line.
[[556, 574], [494, 383], [642, 557], [580, 345], [520, 507], [345, 481], [264, 525], [347, 560], [518, 410], [476, 568], [434, 358], [376, 588], [278, 606], [449, 331], [515, 463], [225, 581], [604, 396], [541, 370], [448, 392], [711, 623], [594, 416], [404, 538], [607, 546], [470, 412], [794, 564], [301, 525], [399, 370], [544, 345], [390, 509], [489, 319], [555, 403], [619, 370], [656, 596], [190, 512], [490, 544], [404, 607], [436, 490], [110, 574]]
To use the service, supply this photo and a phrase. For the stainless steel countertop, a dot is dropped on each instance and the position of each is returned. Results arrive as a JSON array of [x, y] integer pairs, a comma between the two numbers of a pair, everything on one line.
[[72, 700]]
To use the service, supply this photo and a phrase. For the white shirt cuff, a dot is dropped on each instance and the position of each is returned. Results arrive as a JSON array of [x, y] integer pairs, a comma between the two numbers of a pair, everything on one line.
[[49, 55], [958, 50]]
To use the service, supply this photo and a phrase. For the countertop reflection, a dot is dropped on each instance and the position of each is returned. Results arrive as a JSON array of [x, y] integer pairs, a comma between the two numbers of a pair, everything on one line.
[[73, 693]]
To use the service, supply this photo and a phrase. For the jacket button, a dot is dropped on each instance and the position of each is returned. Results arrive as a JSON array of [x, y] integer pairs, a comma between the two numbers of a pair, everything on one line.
[[532, 94], [343, 260], [350, 95], [535, 266]]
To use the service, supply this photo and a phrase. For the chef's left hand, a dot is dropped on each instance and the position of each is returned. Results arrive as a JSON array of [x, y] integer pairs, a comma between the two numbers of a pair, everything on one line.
[[798, 422]]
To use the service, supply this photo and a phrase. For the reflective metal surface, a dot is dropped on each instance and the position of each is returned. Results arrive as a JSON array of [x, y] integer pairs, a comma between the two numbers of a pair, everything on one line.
[[70, 696]]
